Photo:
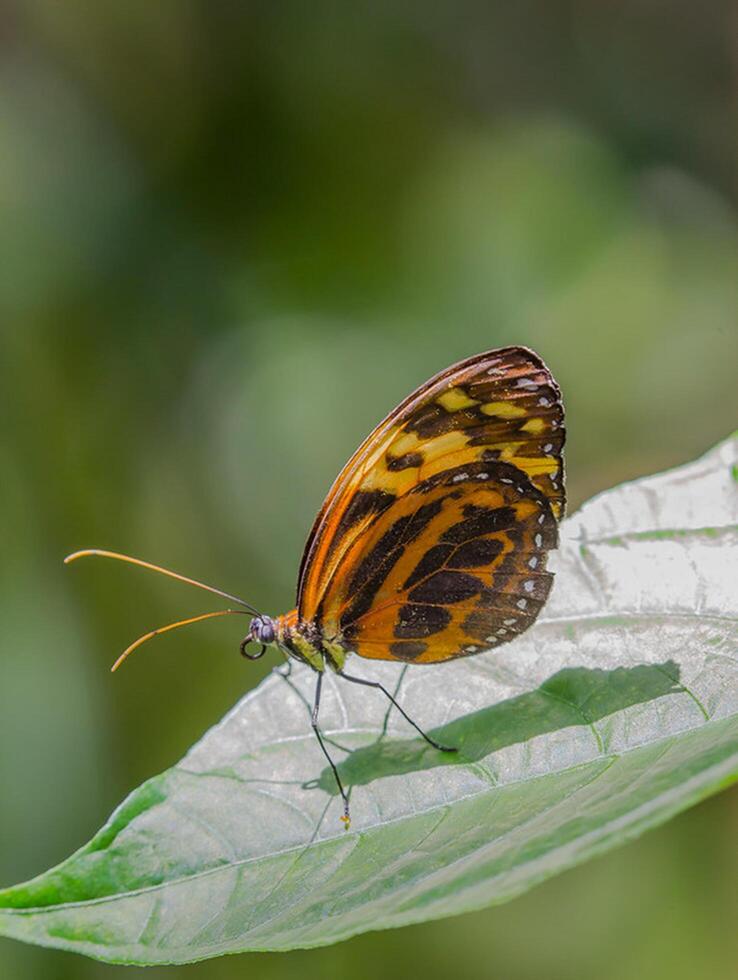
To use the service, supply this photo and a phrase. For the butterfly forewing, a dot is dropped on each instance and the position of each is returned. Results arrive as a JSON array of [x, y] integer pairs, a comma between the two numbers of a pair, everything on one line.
[[475, 455]]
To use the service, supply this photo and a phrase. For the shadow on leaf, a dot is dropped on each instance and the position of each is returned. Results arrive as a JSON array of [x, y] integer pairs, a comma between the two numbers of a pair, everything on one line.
[[574, 696]]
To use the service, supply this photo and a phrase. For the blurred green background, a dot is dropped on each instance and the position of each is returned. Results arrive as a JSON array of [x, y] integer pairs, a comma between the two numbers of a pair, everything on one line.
[[233, 236]]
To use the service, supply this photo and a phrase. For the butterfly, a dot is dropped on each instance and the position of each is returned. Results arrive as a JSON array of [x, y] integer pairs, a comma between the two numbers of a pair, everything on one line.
[[432, 542]]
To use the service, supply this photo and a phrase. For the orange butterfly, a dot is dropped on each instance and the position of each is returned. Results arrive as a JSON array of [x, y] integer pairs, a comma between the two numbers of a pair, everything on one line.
[[432, 542]]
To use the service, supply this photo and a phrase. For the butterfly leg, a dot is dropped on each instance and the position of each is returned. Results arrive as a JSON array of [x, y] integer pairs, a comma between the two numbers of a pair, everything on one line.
[[314, 721], [405, 715], [388, 712]]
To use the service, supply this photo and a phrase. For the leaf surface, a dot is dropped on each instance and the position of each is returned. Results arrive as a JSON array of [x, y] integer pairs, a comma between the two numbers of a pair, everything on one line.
[[618, 709]]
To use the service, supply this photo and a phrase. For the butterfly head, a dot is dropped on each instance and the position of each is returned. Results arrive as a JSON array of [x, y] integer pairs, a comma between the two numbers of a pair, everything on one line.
[[263, 631]]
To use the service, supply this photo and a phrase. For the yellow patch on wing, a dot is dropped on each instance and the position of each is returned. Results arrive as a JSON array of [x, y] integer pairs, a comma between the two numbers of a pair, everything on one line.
[[503, 410], [439, 453], [508, 450], [534, 426], [533, 465], [405, 442], [455, 399]]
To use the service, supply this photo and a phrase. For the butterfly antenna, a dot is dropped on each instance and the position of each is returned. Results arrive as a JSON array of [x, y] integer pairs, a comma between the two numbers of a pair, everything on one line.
[[162, 571], [173, 626]]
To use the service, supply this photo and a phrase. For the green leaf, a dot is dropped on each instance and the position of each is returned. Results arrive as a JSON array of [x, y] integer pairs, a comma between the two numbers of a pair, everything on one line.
[[616, 711]]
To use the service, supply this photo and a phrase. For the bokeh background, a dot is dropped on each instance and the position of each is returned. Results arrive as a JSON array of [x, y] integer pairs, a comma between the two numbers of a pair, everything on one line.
[[232, 237]]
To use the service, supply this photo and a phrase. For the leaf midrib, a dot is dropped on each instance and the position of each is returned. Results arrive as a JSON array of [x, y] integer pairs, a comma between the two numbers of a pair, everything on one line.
[[544, 620], [613, 538]]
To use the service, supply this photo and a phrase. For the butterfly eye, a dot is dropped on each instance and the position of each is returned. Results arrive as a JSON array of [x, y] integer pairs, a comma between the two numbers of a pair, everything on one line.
[[262, 631], [266, 633]]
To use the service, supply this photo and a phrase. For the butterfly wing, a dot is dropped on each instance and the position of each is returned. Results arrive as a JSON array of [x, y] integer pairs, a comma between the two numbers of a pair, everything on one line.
[[456, 566], [487, 434]]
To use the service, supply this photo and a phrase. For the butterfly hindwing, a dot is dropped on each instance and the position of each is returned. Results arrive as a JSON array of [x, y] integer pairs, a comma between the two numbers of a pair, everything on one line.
[[481, 442], [453, 567]]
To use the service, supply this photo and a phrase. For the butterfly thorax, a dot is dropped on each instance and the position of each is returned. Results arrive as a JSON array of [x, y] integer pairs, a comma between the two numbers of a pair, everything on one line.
[[301, 640]]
